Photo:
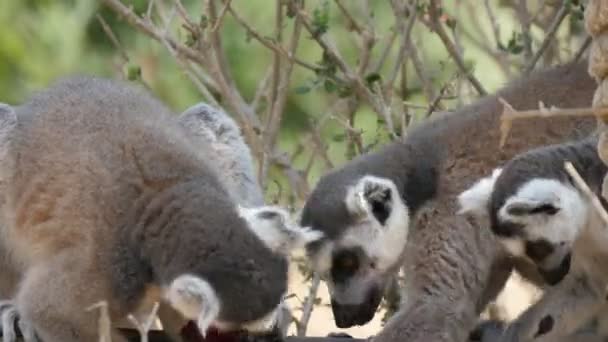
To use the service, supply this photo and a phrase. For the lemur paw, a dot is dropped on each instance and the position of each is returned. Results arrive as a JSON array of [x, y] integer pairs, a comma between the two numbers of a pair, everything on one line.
[[11, 323]]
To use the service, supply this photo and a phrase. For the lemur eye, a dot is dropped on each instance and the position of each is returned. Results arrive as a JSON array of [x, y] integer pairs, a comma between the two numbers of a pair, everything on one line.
[[345, 265]]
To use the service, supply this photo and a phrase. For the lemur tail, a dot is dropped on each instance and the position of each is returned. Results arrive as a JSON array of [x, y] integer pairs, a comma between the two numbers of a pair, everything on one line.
[[226, 149]]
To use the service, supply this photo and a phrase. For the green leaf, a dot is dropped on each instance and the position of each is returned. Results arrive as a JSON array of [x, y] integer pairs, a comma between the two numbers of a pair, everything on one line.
[[320, 18], [329, 86], [340, 137], [302, 89], [373, 77], [133, 72]]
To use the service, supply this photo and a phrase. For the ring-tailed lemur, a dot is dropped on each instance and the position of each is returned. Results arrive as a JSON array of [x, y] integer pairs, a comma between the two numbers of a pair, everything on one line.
[[452, 268], [537, 212], [106, 198]]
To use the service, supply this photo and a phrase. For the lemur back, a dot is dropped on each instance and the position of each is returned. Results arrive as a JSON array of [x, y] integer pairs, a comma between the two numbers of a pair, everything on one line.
[[107, 199]]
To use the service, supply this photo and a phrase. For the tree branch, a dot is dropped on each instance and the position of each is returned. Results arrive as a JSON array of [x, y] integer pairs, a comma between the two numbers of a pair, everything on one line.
[[559, 17], [437, 27]]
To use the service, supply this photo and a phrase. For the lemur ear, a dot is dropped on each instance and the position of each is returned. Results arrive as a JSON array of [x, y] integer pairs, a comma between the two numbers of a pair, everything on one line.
[[274, 226], [475, 199], [373, 196], [216, 120], [523, 206]]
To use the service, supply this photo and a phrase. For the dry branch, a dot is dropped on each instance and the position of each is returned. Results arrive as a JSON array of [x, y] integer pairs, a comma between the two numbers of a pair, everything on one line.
[[559, 17], [436, 25], [582, 185], [104, 323], [509, 114]]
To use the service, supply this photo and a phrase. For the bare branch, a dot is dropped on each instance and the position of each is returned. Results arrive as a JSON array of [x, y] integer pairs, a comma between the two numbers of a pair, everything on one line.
[[521, 8], [184, 15], [309, 305], [268, 44], [144, 327], [108, 31], [583, 48], [493, 21], [437, 27], [582, 185], [145, 27], [559, 17], [104, 324], [220, 17], [509, 114], [349, 17]]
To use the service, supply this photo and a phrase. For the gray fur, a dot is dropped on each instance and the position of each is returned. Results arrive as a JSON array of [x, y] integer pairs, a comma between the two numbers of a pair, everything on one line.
[[229, 152], [452, 268], [148, 210], [548, 163], [579, 286]]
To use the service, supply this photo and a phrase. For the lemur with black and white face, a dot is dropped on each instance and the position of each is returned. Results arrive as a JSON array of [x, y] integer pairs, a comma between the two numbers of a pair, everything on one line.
[[407, 217], [537, 212], [106, 197]]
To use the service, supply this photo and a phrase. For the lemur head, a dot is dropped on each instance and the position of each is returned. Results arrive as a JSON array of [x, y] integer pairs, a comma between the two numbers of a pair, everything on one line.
[[534, 216], [365, 222], [244, 294]]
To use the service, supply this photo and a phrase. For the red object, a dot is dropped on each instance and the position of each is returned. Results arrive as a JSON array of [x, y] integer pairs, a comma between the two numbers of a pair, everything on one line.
[[190, 333]]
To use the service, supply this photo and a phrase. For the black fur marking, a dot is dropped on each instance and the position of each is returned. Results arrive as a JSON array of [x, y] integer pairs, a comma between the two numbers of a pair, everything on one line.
[[380, 201], [545, 326], [548, 209], [538, 250], [345, 264], [268, 215], [508, 229], [545, 208]]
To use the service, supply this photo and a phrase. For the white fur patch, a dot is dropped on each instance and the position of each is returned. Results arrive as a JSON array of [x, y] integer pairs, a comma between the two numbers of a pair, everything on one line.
[[321, 260], [384, 243], [563, 226], [475, 199], [195, 299], [274, 227], [514, 246]]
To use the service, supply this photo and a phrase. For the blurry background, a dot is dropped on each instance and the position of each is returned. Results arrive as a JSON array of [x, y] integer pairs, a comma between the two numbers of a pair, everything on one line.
[[322, 123]]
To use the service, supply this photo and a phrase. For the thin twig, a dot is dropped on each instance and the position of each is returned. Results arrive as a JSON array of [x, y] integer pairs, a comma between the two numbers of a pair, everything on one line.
[[108, 31], [146, 27], [493, 22], [349, 17], [149, 10], [582, 185], [184, 14], [221, 16], [144, 328], [583, 48], [509, 114], [104, 324], [521, 9], [268, 44], [437, 27], [309, 305], [559, 17]]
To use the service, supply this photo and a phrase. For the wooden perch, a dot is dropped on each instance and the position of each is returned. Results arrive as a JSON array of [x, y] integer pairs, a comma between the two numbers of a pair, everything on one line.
[[509, 114]]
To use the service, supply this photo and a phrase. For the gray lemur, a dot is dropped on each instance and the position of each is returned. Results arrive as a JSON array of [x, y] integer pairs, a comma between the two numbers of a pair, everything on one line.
[[537, 212], [104, 197], [396, 208]]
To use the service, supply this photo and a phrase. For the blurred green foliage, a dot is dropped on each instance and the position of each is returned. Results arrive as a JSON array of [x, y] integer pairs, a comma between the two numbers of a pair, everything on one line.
[[41, 40]]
